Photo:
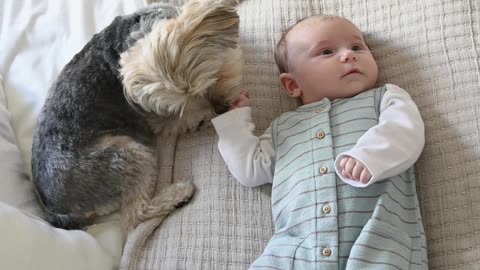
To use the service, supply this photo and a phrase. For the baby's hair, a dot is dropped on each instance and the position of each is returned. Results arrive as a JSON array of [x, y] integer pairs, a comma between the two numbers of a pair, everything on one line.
[[281, 53]]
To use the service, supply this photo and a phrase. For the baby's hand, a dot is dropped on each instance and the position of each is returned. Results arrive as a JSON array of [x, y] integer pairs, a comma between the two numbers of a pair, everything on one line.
[[241, 101], [354, 169]]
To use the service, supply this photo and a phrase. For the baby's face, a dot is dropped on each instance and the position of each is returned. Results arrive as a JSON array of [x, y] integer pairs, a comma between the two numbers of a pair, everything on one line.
[[329, 58]]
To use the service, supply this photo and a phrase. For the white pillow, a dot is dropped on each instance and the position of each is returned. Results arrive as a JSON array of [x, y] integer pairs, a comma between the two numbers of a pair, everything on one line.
[[30, 243], [15, 187]]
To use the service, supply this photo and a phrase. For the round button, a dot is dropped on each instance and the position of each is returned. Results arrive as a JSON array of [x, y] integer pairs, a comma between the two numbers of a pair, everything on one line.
[[326, 209], [323, 170], [320, 109], [320, 134], [326, 252]]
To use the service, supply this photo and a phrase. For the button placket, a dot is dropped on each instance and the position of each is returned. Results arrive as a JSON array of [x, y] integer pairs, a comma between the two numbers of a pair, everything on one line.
[[322, 139]]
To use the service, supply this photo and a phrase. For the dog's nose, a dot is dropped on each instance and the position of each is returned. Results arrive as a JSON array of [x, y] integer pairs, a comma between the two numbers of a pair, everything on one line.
[[221, 109]]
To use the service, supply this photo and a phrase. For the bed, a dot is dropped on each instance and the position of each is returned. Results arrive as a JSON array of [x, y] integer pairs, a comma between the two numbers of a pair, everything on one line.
[[430, 48]]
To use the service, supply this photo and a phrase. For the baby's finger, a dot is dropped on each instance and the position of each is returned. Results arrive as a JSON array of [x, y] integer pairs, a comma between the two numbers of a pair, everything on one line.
[[350, 165], [365, 176], [343, 161], [346, 175], [243, 101], [357, 170]]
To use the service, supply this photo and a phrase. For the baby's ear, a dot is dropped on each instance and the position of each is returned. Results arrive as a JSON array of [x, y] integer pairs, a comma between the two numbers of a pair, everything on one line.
[[290, 85]]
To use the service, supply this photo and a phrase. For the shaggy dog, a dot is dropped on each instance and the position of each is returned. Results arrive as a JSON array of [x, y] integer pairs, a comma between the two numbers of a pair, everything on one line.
[[147, 73]]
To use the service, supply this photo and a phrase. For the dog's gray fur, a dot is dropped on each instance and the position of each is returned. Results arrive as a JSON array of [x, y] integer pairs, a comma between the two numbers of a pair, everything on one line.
[[93, 153]]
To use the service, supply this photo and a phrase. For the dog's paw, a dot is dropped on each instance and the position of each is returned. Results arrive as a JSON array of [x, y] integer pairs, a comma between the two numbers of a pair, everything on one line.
[[183, 193], [182, 203]]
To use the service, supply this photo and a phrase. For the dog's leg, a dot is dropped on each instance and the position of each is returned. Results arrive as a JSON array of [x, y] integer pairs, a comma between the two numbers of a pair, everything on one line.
[[132, 171], [148, 200], [95, 180], [169, 198]]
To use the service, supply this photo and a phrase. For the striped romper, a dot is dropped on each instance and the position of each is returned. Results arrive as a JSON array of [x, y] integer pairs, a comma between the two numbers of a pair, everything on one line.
[[321, 222]]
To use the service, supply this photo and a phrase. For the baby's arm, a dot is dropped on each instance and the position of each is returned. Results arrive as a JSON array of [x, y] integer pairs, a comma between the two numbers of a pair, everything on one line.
[[250, 159], [392, 146]]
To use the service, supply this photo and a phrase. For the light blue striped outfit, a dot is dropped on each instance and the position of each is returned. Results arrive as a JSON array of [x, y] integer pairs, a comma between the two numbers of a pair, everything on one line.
[[322, 222]]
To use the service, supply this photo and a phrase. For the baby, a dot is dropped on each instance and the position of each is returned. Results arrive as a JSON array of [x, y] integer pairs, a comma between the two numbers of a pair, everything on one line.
[[343, 187]]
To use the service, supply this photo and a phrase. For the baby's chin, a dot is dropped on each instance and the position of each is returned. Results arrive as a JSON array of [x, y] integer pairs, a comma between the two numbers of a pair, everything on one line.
[[356, 87]]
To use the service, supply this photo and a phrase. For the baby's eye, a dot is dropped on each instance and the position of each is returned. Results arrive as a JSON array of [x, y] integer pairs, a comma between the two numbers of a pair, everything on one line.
[[356, 48], [326, 52]]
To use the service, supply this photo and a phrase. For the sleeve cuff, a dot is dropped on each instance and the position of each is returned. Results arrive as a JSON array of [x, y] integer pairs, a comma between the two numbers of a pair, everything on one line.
[[236, 116]]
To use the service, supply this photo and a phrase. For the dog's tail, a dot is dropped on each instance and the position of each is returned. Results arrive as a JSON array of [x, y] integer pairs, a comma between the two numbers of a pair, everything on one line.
[[66, 221]]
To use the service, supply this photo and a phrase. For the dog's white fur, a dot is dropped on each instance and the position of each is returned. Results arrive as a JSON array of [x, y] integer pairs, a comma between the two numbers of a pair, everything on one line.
[[192, 59]]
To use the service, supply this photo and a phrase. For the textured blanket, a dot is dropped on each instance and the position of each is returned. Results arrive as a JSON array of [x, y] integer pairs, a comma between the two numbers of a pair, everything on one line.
[[430, 48]]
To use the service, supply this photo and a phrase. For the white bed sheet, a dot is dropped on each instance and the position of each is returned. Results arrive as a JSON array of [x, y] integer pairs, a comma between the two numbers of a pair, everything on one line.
[[37, 38]]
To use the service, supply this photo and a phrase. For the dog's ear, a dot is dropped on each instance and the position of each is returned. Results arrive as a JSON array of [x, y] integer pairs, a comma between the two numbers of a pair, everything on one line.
[[182, 58]]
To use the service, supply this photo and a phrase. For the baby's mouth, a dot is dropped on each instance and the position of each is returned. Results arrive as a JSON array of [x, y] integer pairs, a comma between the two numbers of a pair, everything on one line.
[[352, 71]]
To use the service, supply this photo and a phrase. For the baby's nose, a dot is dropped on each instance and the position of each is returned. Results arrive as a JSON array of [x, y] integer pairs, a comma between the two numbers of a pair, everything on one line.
[[348, 55]]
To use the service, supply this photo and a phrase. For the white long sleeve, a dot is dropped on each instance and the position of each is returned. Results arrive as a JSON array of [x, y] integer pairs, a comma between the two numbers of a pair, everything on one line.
[[392, 146], [249, 158]]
